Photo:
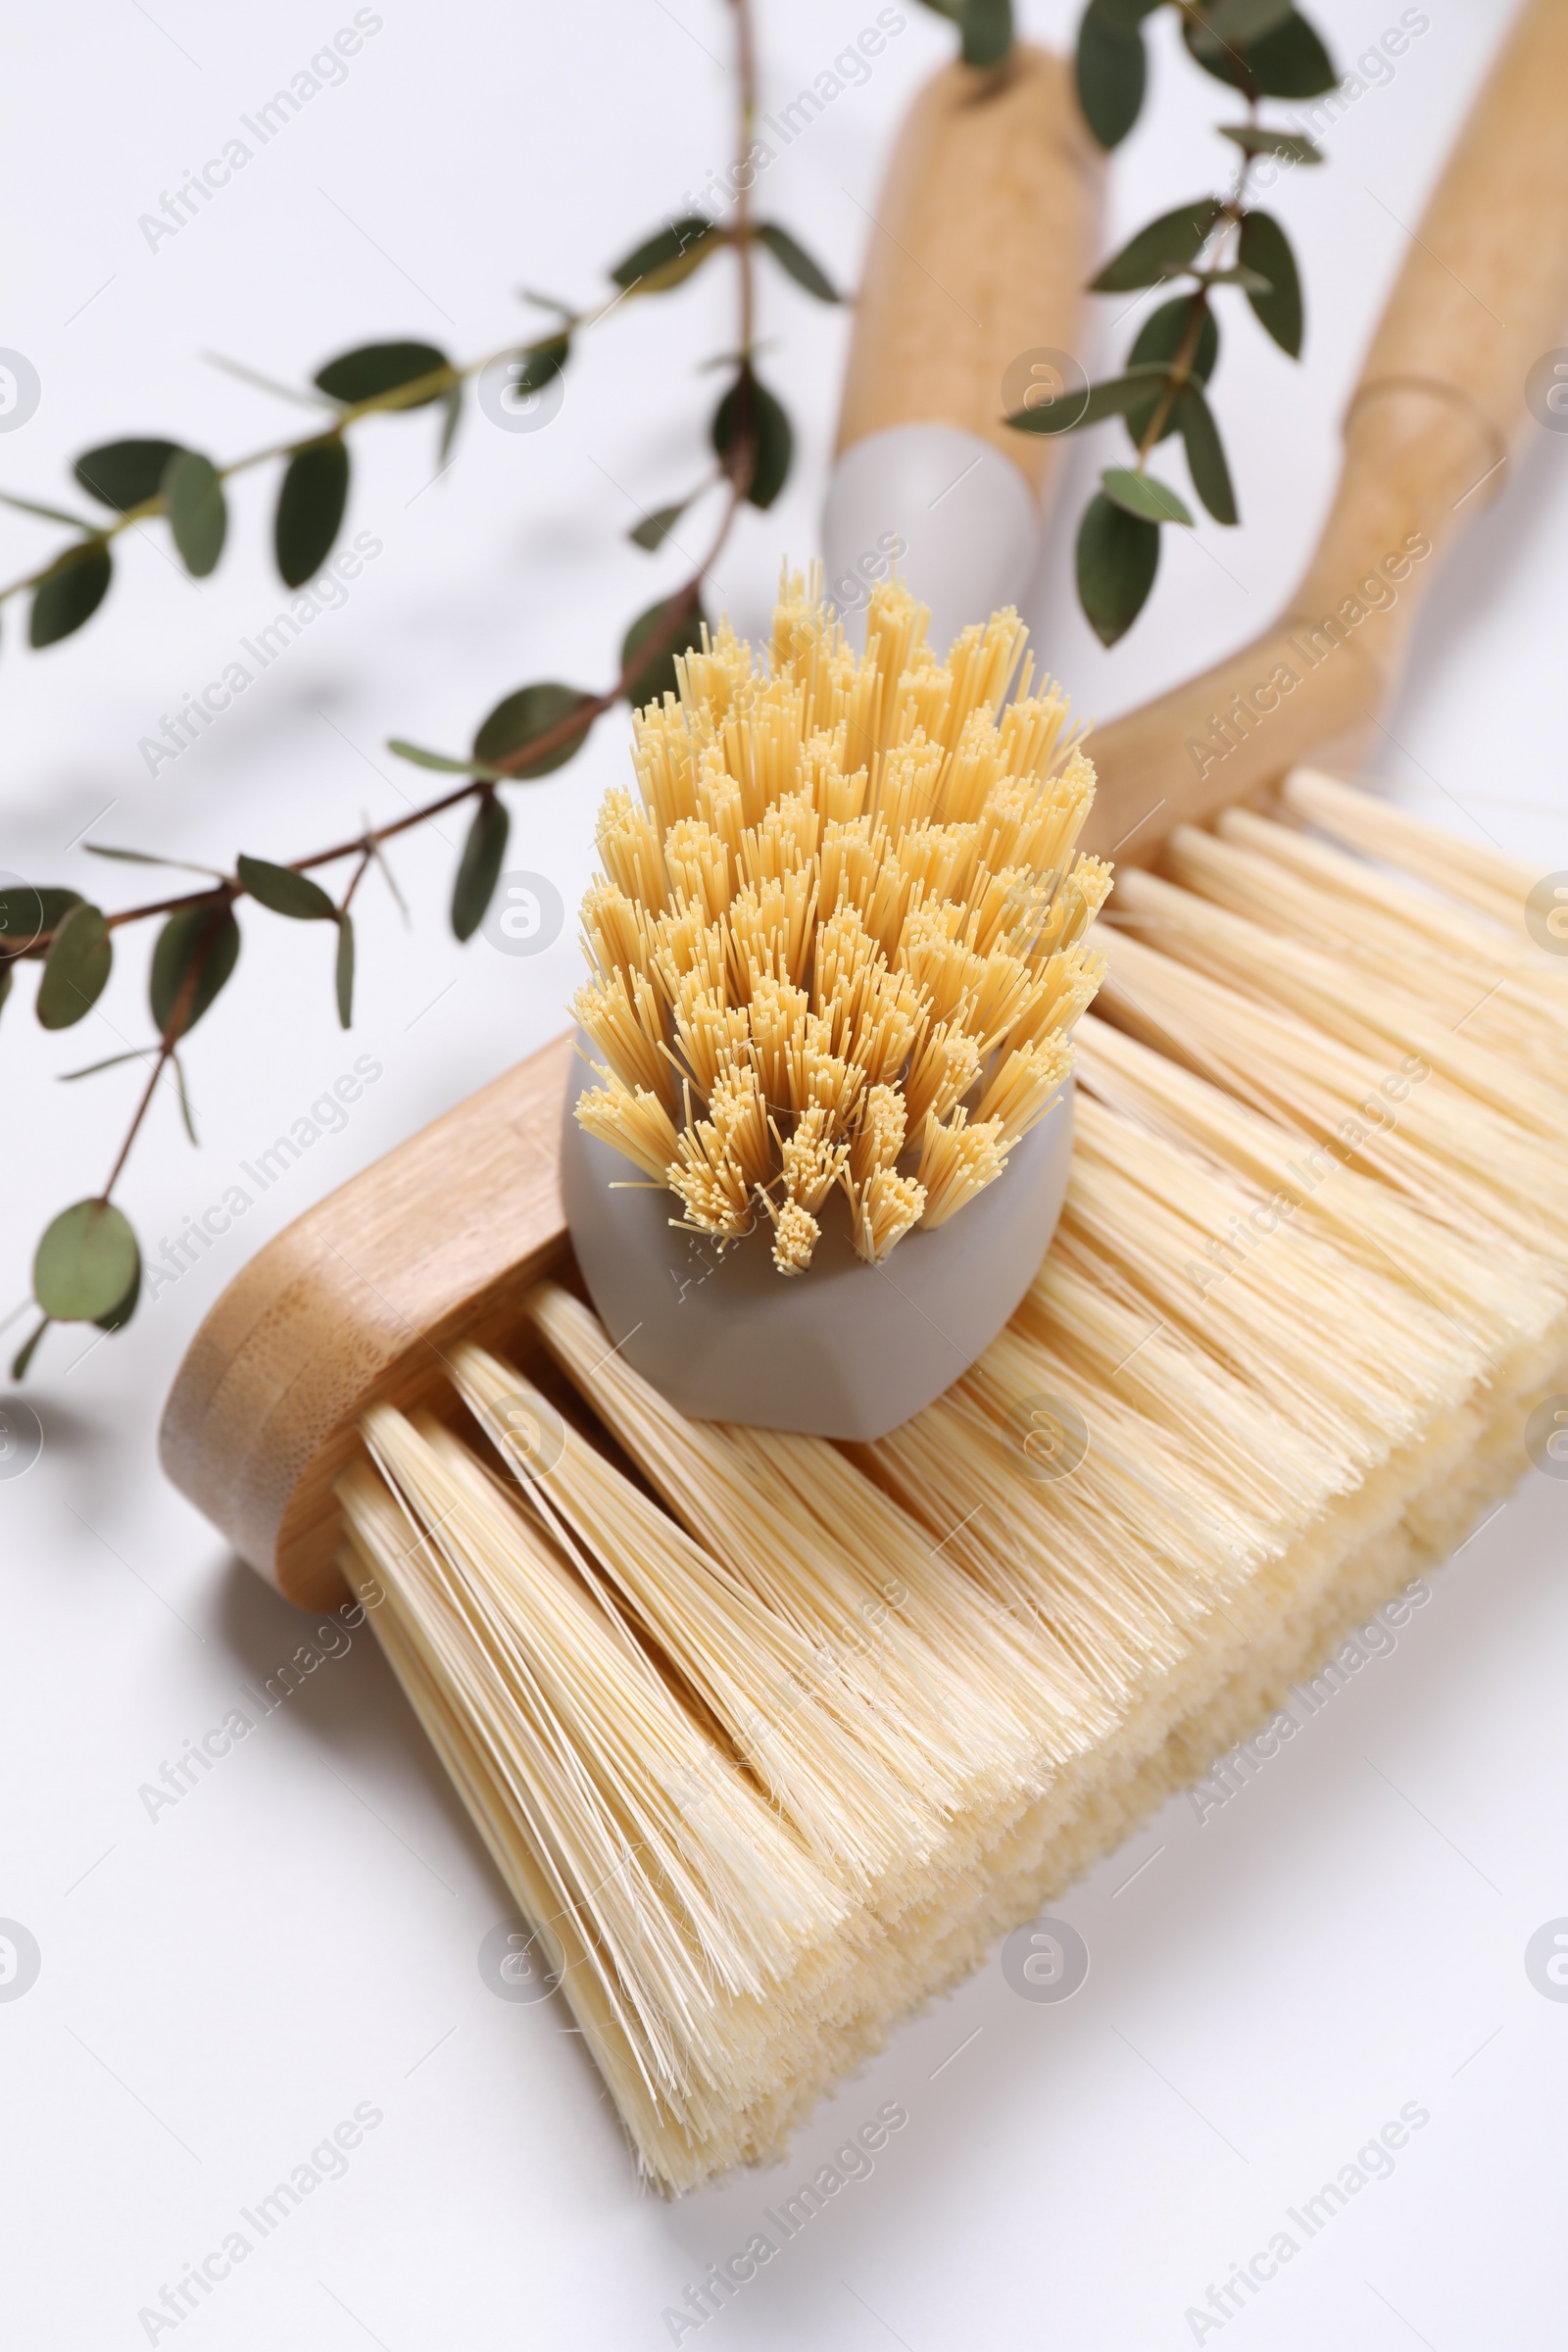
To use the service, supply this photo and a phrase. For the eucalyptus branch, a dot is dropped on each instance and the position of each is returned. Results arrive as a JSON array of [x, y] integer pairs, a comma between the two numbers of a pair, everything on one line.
[[1263, 49], [88, 1263]]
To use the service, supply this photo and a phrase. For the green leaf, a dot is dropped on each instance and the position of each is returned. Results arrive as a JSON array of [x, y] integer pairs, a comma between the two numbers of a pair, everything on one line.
[[1111, 73], [309, 509], [749, 416], [378, 367], [524, 716], [179, 1068], [1291, 61], [77, 969], [668, 257], [69, 594], [1117, 397], [201, 936], [111, 1061], [343, 970], [5, 982], [1241, 21], [1118, 555], [285, 892], [86, 1262], [987, 29], [198, 517], [31, 505], [1141, 494], [1265, 248], [796, 263], [104, 849], [1206, 454], [28, 915], [656, 677], [1253, 139], [535, 368], [453, 403], [1159, 339], [479, 866], [24, 1353], [654, 529], [120, 1314], [439, 762], [1170, 244], [124, 474]]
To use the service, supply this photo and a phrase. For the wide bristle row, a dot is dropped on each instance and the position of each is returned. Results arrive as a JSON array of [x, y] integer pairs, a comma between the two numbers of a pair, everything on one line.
[[839, 877]]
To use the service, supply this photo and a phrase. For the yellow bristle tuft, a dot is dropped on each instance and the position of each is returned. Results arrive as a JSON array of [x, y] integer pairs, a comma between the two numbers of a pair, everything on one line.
[[843, 881]]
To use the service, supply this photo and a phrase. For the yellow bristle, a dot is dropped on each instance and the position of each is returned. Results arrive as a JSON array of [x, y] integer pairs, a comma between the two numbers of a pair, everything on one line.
[[842, 876]]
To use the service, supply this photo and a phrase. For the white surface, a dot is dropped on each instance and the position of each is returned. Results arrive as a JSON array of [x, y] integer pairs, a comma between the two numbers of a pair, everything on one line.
[[957, 516], [221, 1987]]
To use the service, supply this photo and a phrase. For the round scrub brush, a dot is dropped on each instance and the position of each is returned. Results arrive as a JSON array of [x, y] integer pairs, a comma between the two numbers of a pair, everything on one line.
[[836, 948]]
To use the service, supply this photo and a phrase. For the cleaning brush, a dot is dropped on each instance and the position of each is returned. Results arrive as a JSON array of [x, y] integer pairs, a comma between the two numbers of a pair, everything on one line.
[[771, 1736]]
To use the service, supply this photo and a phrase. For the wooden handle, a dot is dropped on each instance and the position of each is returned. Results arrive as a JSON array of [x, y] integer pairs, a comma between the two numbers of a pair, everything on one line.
[[986, 232], [1482, 293], [357, 1301]]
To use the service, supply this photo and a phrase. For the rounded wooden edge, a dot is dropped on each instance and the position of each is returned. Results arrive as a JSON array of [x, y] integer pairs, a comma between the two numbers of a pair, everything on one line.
[[357, 1301]]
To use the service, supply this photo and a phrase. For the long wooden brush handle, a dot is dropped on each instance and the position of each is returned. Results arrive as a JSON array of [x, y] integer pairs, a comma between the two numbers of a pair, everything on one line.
[[1481, 295], [984, 236]]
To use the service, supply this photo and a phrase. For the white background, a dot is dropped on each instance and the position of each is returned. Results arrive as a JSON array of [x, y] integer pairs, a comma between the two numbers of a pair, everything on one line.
[[221, 1987]]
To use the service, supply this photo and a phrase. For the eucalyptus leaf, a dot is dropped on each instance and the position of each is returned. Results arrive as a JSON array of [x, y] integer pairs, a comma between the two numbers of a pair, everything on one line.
[[1169, 245], [654, 529], [285, 892], [1118, 555], [309, 509], [198, 515], [749, 414], [111, 1061], [120, 1314], [203, 939], [654, 677], [986, 29], [1253, 139], [1141, 494], [184, 1098], [669, 257], [479, 866], [793, 259], [522, 718], [1117, 397], [32, 506], [77, 969], [440, 763], [373, 369], [1265, 248], [24, 1353], [343, 970], [69, 594], [27, 915], [1206, 454], [452, 403], [1111, 73], [1242, 22], [104, 849], [1288, 62], [124, 474], [86, 1262]]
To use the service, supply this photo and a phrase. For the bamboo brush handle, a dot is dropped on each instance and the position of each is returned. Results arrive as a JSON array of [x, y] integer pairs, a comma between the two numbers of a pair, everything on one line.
[[1482, 293], [986, 232]]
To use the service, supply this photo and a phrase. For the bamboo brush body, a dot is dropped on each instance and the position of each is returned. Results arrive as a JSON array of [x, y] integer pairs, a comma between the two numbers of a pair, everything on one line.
[[771, 1740], [1311, 1272]]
